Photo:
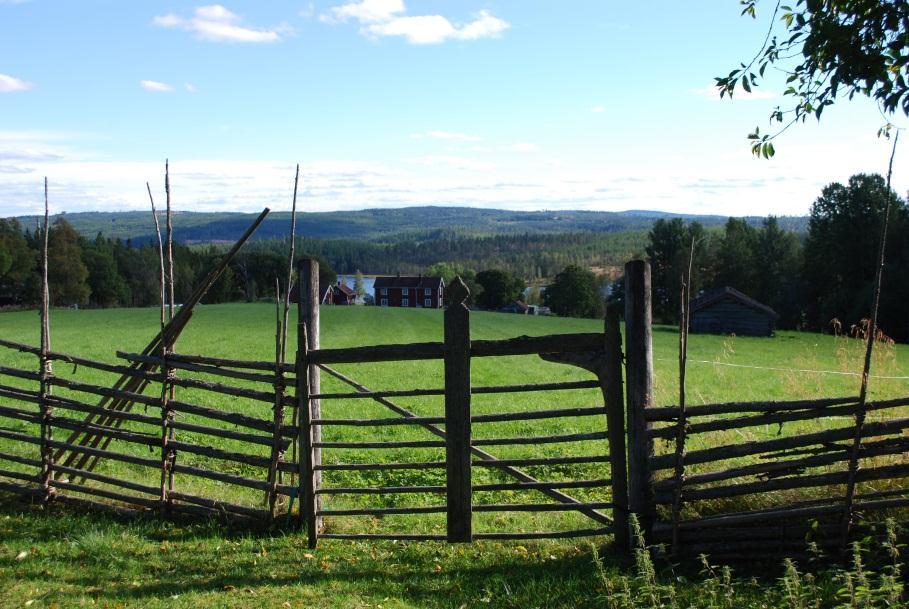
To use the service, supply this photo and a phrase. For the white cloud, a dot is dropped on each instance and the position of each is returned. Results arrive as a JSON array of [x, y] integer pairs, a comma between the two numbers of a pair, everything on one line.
[[215, 23], [598, 109], [447, 135], [11, 84], [190, 87], [711, 92], [365, 11], [155, 86], [379, 18]]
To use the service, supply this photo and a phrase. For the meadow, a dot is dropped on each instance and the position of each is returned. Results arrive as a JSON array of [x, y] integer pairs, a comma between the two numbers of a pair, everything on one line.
[[71, 558]]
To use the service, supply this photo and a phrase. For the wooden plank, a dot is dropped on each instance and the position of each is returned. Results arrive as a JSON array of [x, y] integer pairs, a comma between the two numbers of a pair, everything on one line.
[[554, 439], [548, 534], [756, 447], [538, 414], [639, 377], [378, 353], [534, 345], [671, 413], [457, 415]]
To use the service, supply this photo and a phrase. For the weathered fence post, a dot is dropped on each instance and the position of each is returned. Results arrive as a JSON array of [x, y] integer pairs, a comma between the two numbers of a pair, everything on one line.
[[457, 414], [611, 385], [308, 382], [639, 379]]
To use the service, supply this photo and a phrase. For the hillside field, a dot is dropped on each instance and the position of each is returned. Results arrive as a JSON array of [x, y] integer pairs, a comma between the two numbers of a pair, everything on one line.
[[72, 559]]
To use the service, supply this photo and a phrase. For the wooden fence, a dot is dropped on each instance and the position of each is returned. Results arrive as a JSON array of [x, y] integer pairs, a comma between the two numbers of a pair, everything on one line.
[[258, 441], [245, 438], [744, 479]]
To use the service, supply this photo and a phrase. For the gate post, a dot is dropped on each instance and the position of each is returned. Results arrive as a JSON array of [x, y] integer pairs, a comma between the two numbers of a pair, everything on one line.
[[639, 378], [308, 383], [611, 385], [457, 414]]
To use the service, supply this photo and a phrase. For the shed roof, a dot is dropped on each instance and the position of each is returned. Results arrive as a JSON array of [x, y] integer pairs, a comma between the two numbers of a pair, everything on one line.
[[710, 298], [408, 281], [345, 289]]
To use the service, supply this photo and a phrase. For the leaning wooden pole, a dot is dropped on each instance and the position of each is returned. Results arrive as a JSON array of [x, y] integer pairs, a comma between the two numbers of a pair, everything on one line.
[[131, 383], [860, 415], [46, 372]]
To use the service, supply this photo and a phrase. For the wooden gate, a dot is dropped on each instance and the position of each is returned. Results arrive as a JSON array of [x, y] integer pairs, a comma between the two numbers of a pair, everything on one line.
[[446, 457]]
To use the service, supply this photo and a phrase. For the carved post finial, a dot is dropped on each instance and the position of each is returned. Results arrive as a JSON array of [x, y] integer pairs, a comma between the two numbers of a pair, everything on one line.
[[458, 291]]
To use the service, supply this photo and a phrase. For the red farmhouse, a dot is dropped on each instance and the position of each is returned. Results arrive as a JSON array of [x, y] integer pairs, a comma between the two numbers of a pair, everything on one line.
[[398, 291]]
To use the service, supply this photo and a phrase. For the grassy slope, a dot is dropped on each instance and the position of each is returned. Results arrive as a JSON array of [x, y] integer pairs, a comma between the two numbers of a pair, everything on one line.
[[69, 557]]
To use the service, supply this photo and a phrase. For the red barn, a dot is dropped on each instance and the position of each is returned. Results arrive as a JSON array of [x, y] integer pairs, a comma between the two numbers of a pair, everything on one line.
[[403, 291], [338, 294]]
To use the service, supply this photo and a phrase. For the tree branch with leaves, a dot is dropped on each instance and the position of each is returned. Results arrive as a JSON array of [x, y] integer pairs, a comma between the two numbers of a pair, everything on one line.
[[828, 49]]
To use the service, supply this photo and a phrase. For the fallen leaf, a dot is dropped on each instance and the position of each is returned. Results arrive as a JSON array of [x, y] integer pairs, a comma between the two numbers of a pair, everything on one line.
[[29, 602], [22, 555], [309, 556]]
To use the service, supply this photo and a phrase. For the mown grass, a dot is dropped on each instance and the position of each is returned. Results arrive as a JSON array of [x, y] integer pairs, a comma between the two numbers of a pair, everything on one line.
[[72, 558]]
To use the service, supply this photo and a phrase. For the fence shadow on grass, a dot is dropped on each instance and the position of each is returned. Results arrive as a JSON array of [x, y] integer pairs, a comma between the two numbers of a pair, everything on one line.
[[118, 560]]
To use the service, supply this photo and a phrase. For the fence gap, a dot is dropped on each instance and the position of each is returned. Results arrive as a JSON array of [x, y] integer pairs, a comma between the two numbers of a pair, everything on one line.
[[457, 414]]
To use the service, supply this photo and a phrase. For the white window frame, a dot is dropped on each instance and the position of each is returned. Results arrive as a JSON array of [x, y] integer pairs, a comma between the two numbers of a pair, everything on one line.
[[405, 292], [383, 291], [427, 303], [427, 291], [384, 302], [405, 302]]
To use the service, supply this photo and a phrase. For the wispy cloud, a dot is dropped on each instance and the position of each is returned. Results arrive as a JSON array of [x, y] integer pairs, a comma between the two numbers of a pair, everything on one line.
[[598, 109], [190, 87], [11, 84], [365, 11], [215, 23], [387, 18], [711, 92], [447, 135], [155, 86]]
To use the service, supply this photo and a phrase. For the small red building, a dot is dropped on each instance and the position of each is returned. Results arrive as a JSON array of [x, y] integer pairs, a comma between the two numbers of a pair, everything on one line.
[[409, 291], [338, 294]]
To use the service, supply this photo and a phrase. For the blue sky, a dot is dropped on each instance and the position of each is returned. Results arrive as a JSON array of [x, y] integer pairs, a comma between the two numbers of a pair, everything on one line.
[[518, 104]]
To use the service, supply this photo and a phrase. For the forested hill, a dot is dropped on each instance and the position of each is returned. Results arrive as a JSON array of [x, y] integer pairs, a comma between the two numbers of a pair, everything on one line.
[[380, 225]]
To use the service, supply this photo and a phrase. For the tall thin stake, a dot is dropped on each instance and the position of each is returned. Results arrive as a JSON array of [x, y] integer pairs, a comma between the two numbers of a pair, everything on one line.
[[281, 321], [47, 453], [170, 241], [168, 433], [862, 411], [163, 281], [681, 428]]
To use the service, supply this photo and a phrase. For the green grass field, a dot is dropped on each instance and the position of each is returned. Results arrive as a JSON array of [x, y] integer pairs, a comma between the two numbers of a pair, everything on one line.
[[88, 558]]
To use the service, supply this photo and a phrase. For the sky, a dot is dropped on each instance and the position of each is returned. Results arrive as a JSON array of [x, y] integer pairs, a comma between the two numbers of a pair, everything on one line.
[[510, 104]]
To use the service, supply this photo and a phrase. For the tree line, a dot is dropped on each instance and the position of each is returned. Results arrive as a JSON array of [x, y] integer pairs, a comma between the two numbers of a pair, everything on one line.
[[809, 280]]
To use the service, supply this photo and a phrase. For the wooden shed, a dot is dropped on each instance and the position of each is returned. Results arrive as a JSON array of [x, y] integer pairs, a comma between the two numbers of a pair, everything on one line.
[[728, 311]]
